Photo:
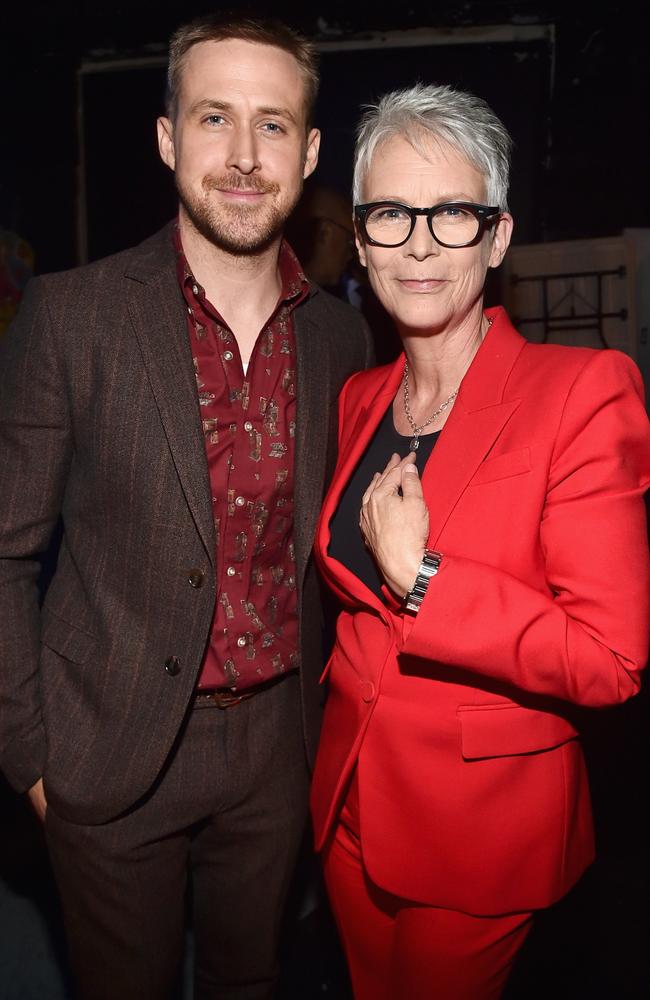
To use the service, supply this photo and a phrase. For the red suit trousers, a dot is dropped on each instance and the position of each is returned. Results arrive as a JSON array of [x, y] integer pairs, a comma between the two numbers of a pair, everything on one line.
[[397, 948]]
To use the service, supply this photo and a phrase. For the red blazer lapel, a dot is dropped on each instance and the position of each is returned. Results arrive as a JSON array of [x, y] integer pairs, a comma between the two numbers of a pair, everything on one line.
[[360, 414], [479, 415], [363, 416]]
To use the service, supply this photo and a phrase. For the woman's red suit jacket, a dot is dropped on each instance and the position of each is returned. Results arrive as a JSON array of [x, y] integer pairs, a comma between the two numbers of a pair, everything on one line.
[[473, 793]]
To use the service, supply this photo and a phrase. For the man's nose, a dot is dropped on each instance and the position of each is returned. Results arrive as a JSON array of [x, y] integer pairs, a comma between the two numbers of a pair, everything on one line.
[[243, 153]]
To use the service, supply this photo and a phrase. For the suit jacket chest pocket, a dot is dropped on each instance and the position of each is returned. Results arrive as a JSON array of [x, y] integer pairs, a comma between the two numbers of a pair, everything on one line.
[[505, 466]]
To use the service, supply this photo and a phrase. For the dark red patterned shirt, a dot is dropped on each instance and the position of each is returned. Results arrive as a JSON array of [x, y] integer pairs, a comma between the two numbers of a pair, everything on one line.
[[249, 423]]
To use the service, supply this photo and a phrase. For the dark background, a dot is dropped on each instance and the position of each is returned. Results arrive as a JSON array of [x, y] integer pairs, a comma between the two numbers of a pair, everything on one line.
[[128, 197], [578, 111], [579, 115]]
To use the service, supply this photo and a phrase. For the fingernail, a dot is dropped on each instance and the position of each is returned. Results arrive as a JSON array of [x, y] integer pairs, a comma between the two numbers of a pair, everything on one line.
[[409, 467]]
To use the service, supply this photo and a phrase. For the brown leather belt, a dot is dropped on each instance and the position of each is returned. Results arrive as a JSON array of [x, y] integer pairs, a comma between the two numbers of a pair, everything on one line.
[[227, 698]]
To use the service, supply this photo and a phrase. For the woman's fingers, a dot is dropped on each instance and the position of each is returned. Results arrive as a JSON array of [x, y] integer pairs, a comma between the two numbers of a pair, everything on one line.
[[410, 481], [392, 463], [369, 491], [391, 477]]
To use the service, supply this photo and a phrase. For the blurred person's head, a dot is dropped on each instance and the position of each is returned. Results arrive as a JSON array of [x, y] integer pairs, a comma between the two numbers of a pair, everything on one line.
[[322, 234]]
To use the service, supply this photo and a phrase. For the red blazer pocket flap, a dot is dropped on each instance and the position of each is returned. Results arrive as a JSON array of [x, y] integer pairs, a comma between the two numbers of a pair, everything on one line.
[[511, 463], [503, 730]]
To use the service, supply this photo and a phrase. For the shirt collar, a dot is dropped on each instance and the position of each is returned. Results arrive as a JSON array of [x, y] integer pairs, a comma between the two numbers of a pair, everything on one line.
[[294, 284]]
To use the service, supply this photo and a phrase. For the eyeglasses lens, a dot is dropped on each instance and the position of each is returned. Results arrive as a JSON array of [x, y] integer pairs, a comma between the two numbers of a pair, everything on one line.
[[455, 226], [390, 225]]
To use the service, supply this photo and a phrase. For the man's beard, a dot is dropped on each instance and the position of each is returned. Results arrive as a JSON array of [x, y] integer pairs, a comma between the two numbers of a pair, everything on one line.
[[242, 230]]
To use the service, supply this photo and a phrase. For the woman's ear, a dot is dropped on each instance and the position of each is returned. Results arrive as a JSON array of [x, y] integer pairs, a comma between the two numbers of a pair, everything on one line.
[[501, 235]]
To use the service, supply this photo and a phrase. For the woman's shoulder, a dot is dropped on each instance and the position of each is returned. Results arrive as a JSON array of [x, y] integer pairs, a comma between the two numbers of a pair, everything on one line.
[[555, 373], [561, 363], [555, 362]]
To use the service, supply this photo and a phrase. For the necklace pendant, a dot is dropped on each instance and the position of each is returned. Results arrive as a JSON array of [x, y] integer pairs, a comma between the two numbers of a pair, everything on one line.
[[414, 443]]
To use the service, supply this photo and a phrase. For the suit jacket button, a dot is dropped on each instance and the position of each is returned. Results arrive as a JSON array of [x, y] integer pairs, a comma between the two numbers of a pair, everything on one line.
[[196, 578], [173, 666], [367, 690]]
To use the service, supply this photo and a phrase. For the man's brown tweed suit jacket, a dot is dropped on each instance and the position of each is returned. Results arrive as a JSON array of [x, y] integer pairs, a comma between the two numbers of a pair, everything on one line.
[[99, 424]]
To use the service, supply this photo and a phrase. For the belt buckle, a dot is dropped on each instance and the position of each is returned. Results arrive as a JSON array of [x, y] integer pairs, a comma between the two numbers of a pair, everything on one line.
[[225, 699]]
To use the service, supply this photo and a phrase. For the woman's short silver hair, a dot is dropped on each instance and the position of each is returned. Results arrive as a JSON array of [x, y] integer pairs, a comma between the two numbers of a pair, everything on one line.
[[456, 117]]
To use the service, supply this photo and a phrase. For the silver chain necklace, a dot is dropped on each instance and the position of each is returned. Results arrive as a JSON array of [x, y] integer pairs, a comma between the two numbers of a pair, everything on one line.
[[414, 443]]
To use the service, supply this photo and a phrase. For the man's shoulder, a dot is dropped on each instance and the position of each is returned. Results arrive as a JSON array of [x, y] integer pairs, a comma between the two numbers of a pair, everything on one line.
[[322, 306], [339, 325], [140, 260]]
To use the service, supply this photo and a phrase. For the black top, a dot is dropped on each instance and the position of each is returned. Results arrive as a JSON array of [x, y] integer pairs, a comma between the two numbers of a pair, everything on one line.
[[346, 543]]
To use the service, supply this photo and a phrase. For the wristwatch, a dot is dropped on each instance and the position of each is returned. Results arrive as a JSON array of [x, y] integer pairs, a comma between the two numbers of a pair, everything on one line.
[[428, 568]]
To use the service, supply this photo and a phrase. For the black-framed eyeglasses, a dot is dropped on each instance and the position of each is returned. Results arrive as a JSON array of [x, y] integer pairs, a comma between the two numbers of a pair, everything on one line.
[[452, 224]]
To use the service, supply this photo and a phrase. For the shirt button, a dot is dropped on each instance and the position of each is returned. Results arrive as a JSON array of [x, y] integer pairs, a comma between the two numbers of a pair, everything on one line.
[[248, 426], [231, 571], [228, 355], [240, 501], [242, 640], [195, 289]]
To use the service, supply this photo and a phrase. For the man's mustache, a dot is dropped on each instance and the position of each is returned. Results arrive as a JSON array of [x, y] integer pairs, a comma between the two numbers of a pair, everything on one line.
[[235, 182]]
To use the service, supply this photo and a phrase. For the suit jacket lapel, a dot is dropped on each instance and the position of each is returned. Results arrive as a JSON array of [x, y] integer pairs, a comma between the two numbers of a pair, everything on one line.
[[314, 393], [479, 415], [160, 323], [354, 443], [368, 418], [464, 443]]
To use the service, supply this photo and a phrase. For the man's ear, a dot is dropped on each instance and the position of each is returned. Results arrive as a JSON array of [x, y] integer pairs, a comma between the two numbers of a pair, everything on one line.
[[166, 142], [311, 153], [501, 236]]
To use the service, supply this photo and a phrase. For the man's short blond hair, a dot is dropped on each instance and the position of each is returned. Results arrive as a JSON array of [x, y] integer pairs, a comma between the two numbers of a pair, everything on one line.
[[222, 27]]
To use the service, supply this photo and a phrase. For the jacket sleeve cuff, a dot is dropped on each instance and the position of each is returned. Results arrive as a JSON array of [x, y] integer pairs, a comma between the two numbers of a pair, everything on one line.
[[391, 601], [23, 760]]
